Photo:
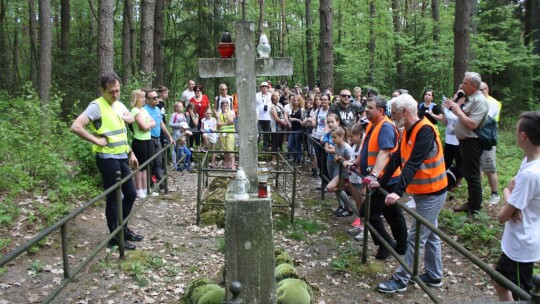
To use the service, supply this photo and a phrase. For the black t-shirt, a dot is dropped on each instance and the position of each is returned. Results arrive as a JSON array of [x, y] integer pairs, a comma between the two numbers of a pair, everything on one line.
[[348, 114], [422, 111]]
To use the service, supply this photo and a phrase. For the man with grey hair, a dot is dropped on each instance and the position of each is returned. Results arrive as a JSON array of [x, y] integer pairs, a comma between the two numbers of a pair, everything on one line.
[[423, 175], [470, 118]]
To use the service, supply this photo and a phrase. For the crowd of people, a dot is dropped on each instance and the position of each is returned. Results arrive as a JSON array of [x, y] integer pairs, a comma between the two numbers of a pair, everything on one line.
[[375, 144]]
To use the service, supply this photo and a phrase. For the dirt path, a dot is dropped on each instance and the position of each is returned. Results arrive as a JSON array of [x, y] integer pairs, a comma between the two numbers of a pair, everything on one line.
[[175, 251]]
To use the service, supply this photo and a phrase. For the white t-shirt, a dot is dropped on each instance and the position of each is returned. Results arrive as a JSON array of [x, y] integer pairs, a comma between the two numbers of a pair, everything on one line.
[[220, 98], [493, 107], [261, 101], [210, 124], [186, 96], [450, 136], [353, 178], [320, 119], [521, 240]]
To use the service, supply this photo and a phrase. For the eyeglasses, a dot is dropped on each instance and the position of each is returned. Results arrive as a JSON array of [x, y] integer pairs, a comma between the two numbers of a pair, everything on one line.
[[197, 91], [154, 98], [346, 96]]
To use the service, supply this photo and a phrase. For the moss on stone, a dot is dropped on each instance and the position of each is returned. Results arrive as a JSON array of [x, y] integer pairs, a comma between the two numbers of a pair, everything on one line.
[[285, 271], [210, 293], [186, 299], [214, 217], [283, 257], [292, 291]]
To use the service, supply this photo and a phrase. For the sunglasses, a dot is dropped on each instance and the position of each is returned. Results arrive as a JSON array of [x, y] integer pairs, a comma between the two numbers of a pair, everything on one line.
[[154, 98], [347, 96]]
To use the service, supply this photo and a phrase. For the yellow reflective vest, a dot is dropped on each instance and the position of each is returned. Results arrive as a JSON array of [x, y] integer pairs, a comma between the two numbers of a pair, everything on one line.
[[113, 127]]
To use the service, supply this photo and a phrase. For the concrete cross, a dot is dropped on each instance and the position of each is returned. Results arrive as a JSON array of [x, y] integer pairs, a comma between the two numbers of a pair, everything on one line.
[[245, 68]]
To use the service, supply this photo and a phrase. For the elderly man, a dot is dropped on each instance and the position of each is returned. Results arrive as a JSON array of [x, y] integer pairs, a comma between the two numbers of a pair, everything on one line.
[[423, 174], [345, 109], [470, 118], [380, 141], [107, 118], [488, 159], [188, 93]]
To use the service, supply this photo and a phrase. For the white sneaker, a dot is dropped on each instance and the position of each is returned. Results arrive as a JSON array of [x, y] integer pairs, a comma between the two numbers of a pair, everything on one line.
[[141, 194], [359, 237], [154, 194], [411, 203], [494, 199], [355, 230]]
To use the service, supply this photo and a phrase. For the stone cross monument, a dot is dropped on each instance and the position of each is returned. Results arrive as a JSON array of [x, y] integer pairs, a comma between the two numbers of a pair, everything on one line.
[[249, 247], [245, 68]]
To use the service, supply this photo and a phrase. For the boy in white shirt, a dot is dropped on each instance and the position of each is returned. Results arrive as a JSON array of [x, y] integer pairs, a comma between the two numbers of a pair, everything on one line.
[[521, 212]]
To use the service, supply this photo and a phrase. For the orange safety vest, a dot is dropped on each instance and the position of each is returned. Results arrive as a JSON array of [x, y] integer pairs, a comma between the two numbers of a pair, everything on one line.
[[373, 145], [431, 176]]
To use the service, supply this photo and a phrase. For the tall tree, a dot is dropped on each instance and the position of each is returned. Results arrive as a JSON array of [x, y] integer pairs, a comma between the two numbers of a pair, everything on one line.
[[45, 50], [147, 37], [371, 75], [309, 46], [436, 17], [105, 37], [283, 30], [159, 29], [396, 19], [326, 58], [65, 27], [5, 80], [128, 32], [261, 17], [32, 41], [462, 25]]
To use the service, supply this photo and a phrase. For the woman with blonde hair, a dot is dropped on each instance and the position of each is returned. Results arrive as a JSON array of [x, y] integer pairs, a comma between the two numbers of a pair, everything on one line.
[[142, 144]]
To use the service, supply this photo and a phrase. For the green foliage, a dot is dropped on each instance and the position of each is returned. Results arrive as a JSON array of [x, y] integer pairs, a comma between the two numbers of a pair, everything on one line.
[[4, 243], [37, 267], [348, 260], [138, 264], [300, 228], [221, 244]]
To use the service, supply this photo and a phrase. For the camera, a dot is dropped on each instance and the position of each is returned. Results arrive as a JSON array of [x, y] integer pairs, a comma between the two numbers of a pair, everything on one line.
[[364, 122], [265, 108]]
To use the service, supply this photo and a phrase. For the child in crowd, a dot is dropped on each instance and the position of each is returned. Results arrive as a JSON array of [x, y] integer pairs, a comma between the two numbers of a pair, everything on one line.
[[209, 125], [174, 122], [521, 237], [333, 121], [181, 148], [358, 191]]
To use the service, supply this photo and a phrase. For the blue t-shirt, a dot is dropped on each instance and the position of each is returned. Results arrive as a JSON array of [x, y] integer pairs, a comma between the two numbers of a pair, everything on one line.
[[387, 140], [327, 138], [155, 113]]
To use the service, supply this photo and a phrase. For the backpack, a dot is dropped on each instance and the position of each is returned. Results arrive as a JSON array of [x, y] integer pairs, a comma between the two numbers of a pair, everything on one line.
[[487, 133]]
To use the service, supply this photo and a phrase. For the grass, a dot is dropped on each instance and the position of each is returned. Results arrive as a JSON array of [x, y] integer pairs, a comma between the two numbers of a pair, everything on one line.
[[300, 229]]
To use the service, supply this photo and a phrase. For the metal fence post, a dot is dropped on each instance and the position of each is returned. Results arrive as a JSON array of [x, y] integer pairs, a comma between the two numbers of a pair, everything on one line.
[[119, 214], [65, 257]]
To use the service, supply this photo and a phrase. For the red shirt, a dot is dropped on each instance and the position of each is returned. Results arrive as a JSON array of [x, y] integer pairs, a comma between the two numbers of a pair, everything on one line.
[[202, 106]]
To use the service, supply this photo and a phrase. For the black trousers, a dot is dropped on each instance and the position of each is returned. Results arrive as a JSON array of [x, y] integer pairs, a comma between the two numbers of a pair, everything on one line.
[[451, 154], [394, 217], [108, 168], [471, 150], [264, 126]]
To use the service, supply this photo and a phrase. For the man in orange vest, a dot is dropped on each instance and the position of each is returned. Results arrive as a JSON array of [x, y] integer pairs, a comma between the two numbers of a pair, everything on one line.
[[423, 174], [380, 141]]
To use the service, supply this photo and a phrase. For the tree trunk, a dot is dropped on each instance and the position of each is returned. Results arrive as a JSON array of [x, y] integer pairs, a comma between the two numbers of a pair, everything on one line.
[[261, 17], [371, 74], [32, 38], [106, 36], [283, 30], [127, 28], [326, 64], [309, 47], [65, 26], [45, 50], [396, 19], [532, 25], [16, 77], [147, 38], [4, 59], [462, 24], [159, 29], [436, 23]]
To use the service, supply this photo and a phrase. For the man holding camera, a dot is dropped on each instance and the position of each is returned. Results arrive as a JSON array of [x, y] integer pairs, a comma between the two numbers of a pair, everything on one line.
[[263, 102]]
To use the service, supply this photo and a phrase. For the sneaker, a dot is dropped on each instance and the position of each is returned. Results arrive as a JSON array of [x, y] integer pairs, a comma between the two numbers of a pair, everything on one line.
[[494, 199], [154, 179], [429, 281], [338, 210], [141, 194], [391, 286], [411, 203], [357, 222], [154, 194], [355, 230], [345, 213], [359, 237]]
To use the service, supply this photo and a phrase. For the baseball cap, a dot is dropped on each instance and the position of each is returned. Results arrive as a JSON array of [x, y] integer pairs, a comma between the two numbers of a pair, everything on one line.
[[184, 125], [264, 84]]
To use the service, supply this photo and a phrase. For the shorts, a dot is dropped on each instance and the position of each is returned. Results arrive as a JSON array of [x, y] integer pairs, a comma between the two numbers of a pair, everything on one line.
[[212, 137], [143, 149], [519, 273], [488, 160]]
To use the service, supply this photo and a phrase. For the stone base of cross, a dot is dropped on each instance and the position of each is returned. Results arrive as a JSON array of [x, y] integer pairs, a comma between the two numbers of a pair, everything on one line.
[[245, 68]]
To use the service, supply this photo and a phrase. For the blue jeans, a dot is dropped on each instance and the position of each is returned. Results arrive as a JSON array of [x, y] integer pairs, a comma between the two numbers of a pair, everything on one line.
[[180, 151], [294, 146], [428, 207]]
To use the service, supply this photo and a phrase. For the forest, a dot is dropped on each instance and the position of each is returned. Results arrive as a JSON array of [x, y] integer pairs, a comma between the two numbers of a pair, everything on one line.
[[60, 47]]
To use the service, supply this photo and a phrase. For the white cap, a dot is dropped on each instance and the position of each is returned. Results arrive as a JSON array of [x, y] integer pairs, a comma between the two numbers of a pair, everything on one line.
[[184, 125], [264, 84]]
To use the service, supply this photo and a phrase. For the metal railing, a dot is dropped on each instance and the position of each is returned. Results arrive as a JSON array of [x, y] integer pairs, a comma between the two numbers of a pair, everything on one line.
[[71, 273]]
